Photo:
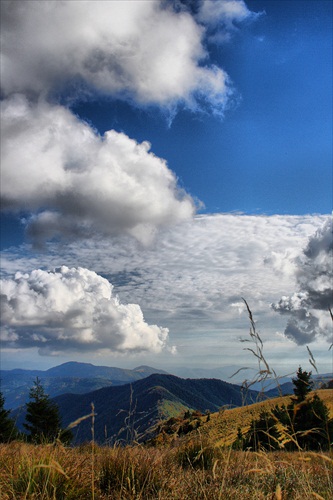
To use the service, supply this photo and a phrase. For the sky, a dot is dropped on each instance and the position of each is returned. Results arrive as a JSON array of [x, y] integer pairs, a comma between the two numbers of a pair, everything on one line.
[[161, 161]]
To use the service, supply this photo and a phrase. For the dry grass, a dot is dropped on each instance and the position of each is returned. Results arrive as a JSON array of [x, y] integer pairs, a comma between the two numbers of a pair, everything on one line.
[[222, 427], [185, 471]]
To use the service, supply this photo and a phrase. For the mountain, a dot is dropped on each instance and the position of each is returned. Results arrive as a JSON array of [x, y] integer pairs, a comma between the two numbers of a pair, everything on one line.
[[228, 372], [129, 411], [319, 380], [87, 370], [73, 377]]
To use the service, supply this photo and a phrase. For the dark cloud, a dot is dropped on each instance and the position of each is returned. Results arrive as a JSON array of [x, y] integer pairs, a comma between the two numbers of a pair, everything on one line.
[[309, 307]]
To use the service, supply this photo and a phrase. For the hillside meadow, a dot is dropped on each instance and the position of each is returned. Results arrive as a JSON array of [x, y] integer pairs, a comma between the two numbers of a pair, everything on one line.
[[200, 465], [223, 426]]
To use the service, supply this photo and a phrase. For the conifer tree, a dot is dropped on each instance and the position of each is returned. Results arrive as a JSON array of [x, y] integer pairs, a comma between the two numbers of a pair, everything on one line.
[[302, 385], [42, 418], [8, 431]]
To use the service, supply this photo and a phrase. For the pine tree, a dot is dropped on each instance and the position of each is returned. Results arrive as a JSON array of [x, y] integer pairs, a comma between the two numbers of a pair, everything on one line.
[[303, 385], [42, 417], [8, 431]]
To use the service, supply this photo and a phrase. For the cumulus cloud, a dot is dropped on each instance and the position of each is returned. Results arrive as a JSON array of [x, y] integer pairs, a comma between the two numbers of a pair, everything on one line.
[[75, 182], [146, 51], [72, 309], [308, 307], [70, 181]]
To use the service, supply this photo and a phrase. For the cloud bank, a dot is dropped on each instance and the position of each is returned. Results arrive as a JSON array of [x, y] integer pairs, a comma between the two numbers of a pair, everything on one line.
[[191, 279], [72, 310], [192, 274], [308, 307]]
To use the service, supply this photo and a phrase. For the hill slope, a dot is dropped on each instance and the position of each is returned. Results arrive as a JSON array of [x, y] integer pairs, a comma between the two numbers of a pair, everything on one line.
[[222, 426], [127, 412]]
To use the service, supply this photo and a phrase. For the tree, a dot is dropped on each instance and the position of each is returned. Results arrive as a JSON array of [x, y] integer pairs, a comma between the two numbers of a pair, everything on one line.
[[42, 417], [303, 385], [306, 423], [8, 430]]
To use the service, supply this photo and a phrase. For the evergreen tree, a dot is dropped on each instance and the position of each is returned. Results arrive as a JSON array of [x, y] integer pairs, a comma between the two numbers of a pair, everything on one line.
[[43, 419], [302, 385], [8, 430]]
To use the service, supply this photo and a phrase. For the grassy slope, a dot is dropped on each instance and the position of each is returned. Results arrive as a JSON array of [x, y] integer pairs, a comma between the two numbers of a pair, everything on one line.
[[222, 427]]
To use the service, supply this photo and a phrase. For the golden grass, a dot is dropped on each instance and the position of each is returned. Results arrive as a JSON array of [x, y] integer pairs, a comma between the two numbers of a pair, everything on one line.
[[175, 472], [223, 425]]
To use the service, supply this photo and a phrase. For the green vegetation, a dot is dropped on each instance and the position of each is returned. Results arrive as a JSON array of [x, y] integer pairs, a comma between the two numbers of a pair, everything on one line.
[[189, 466], [42, 419], [304, 424], [302, 385], [8, 430]]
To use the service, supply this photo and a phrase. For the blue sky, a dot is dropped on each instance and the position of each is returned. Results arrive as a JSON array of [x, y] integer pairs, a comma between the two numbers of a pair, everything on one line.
[[273, 152], [231, 197]]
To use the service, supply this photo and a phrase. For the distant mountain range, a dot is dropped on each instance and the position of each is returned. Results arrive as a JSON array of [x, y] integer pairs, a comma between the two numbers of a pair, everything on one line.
[[131, 411], [129, 404], [80, 378], [71, 377]]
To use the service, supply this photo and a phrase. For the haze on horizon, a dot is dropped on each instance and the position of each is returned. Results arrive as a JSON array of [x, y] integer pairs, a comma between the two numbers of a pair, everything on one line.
[[160, 161]]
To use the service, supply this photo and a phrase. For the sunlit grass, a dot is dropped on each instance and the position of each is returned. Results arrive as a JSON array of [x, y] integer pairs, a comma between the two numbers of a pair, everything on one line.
[[191, 469]]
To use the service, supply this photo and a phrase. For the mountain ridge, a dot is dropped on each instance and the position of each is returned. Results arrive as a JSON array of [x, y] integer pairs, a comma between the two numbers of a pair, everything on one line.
[[72, 376], [139, 406]]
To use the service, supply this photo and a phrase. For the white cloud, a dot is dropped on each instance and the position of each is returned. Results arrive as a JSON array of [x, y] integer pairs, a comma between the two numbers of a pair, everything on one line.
[[142, 50], [190, 277], [223, 11], [73, 310], [76, 182], [191, 280]]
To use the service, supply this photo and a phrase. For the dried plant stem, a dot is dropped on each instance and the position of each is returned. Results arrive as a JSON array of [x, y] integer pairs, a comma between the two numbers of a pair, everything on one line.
[[92, 451]]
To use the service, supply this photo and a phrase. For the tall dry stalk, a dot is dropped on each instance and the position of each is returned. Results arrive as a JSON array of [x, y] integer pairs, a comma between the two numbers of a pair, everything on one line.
[[264, 372], [93, 451]]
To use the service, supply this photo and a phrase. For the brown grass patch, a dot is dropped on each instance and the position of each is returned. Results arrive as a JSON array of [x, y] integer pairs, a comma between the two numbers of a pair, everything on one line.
[[55, 472]]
